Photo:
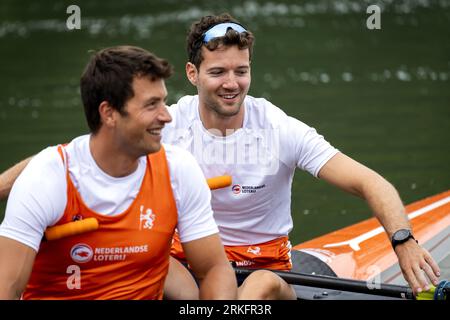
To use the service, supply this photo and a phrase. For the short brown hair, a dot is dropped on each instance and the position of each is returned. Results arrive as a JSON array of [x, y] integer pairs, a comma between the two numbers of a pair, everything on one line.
[[194, 39], [109, 77]]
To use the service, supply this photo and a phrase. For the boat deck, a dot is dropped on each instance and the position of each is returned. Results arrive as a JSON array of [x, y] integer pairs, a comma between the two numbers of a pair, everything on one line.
[[363, 251]]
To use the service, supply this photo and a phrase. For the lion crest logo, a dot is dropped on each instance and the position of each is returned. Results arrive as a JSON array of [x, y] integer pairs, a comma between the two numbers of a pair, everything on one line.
[[147, 218]]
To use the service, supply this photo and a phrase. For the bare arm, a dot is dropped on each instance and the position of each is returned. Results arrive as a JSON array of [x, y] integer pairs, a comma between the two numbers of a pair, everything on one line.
[[8, 177], [16, 263], [207, 258], [355, 178], [179, 284], [383, 199]]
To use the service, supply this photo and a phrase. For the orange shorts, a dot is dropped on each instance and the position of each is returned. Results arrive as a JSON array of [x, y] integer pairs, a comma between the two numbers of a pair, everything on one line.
[[274, 254]]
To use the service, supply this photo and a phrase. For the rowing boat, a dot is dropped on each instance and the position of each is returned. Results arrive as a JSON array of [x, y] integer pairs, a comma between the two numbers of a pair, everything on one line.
[[356, 262], [363, 251]]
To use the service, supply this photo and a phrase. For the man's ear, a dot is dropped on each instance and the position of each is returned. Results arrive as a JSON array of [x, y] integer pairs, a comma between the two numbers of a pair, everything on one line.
[[192, 73], [107, 114]]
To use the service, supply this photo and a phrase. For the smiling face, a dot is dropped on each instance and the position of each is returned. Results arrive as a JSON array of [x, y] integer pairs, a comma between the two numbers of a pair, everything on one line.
[[223, 80], [138, 130]]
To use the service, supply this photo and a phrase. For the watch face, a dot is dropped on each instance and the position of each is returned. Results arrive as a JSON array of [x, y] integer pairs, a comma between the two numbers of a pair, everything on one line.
[[401, 234]]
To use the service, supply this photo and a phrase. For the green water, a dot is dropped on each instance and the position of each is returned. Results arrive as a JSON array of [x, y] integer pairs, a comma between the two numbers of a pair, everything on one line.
[[380, 96]]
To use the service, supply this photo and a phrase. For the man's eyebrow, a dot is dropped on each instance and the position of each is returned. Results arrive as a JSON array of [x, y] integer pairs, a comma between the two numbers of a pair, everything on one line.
[[155, 99], [222, 68], [215, 68]]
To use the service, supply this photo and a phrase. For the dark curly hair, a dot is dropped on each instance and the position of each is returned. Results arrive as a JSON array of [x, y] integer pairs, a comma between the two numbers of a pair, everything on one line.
[[109, 77], [194, 39]]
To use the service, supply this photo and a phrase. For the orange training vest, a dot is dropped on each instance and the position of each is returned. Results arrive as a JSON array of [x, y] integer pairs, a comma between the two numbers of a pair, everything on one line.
[[127, 257], [274, 254]]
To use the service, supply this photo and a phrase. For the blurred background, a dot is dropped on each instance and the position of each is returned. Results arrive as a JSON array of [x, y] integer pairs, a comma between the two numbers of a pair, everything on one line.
[[380, 96]]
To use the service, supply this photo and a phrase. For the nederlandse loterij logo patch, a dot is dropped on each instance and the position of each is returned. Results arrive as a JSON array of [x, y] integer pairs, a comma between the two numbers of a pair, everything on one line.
[[81, 253], [236, 189]]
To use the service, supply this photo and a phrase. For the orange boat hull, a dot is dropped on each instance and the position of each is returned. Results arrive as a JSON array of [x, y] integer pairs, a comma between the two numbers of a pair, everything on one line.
[[363, 251]]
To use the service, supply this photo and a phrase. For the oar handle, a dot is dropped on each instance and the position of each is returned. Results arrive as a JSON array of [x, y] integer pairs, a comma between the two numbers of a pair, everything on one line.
[[387, 290], [219, 182], [71, 229]]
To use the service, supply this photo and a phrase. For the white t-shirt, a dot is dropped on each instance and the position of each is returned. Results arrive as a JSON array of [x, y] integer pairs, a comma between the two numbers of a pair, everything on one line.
[[39, 195], [261, 157]]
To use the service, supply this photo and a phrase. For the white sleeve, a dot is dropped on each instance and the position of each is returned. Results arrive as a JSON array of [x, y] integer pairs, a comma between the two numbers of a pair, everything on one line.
[[192, 196], [310, 150], [37, 199]]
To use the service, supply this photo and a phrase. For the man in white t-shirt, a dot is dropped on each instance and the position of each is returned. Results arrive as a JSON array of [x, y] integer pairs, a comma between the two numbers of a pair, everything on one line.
[[229, 132], [121, 175]]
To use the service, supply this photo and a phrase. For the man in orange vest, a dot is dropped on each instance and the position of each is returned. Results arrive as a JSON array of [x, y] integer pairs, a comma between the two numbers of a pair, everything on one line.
[[120, 175]]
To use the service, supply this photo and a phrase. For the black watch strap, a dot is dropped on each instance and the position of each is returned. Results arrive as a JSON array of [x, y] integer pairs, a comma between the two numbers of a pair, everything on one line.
[[401, 236]]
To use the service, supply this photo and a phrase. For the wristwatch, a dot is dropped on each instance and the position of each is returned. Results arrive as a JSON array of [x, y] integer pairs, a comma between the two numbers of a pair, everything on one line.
[[401, 236]]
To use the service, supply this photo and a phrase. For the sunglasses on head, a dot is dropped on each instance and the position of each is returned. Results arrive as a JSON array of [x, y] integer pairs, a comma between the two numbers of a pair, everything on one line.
[[219, 30]]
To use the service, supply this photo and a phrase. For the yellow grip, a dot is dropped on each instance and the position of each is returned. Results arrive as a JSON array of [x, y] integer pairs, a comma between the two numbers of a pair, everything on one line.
[[219, 182], [71, 229], [426, 295]]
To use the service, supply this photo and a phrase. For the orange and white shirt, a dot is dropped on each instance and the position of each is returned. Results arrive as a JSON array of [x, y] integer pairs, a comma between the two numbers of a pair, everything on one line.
[[127, 257]]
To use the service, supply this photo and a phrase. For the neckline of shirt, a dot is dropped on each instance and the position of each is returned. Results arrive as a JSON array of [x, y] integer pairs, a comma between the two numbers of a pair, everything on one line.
[[93, 164], [229, 138]]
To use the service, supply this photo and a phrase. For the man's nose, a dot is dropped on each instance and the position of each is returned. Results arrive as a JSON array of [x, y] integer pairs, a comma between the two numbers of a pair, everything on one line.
[[164, 115], [230, 82]]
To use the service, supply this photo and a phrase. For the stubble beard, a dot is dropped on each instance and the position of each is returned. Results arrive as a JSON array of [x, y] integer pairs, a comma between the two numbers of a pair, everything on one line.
[[223, 110]]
